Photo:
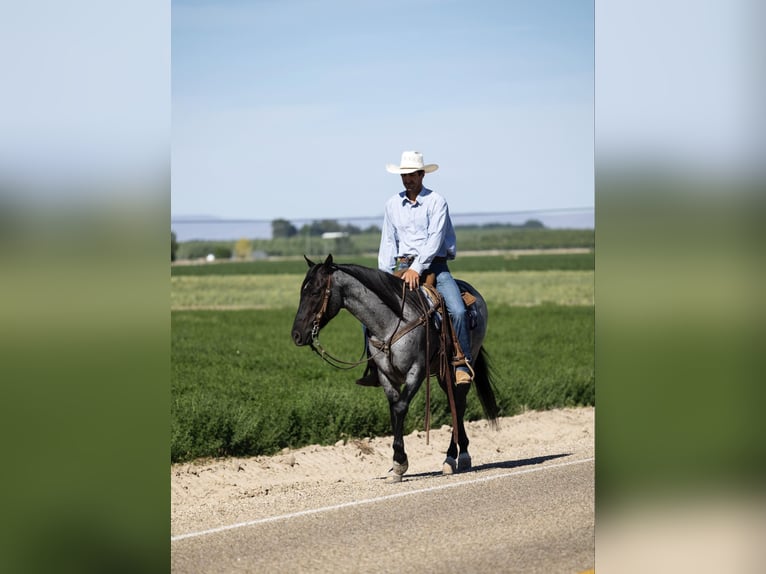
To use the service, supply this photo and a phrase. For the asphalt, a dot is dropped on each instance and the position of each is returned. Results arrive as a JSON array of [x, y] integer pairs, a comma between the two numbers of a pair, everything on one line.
[[537, 518]]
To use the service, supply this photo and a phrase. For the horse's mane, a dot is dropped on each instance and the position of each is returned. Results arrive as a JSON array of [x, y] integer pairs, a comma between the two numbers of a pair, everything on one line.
[[384, 285]]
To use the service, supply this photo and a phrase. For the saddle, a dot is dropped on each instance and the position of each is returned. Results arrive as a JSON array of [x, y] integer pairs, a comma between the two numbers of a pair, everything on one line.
[[429, 282], [435, 300]]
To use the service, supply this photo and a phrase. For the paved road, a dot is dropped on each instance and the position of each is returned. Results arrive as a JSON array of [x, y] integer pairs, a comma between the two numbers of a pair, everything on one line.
[[535, 517]]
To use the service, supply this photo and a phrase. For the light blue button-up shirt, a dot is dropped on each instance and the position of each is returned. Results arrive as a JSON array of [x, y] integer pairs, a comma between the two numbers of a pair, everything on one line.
[[422, 230]]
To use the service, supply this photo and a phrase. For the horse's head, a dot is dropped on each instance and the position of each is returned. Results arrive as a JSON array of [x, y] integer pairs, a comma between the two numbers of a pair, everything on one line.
[[316, 306]]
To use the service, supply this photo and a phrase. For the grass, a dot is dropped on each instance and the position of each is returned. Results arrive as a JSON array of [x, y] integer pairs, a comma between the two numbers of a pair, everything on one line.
[[282, 291], [240, 387]]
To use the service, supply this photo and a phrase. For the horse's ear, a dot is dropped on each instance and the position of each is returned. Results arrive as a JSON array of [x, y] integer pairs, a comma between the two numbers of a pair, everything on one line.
[[328, 261], [309, 261]]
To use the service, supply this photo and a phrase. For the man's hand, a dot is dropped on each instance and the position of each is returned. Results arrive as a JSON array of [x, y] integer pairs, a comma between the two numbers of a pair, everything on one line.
[[411, 278]]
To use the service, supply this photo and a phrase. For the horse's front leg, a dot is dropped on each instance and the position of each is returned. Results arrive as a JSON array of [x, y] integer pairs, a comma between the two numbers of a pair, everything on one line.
[[398, 410], [399, 404]]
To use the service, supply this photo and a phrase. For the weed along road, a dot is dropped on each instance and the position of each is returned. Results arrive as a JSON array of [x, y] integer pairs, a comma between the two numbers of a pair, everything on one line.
[[533, 514]]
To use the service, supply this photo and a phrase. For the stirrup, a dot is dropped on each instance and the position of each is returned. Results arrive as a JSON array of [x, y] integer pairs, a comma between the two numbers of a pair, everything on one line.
[[370, 378]]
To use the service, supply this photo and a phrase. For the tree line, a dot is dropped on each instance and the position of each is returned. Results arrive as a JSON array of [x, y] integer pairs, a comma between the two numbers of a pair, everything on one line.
[[287, 239], [284, 229]]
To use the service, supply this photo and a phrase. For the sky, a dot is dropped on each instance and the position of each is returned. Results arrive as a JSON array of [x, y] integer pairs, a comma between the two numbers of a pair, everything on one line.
[[292, 109]]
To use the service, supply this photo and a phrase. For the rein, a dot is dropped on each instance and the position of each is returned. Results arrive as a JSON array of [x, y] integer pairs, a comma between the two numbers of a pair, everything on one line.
[[317, 347]]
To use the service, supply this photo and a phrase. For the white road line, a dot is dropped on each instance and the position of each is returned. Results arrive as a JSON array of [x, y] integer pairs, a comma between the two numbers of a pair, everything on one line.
[[372, 500]]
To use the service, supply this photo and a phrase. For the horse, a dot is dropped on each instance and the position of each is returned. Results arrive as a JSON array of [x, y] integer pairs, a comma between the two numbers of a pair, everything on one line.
[[398, 328]]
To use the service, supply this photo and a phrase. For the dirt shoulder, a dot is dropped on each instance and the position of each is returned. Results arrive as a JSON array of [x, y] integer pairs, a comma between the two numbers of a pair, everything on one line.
[[211, 493]]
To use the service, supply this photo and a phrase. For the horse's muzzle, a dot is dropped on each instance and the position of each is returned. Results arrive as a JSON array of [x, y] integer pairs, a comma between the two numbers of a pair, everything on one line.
[[298, 338]]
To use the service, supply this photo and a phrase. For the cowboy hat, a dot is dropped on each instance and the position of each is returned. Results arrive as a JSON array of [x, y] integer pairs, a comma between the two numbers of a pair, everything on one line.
[[412, 161]]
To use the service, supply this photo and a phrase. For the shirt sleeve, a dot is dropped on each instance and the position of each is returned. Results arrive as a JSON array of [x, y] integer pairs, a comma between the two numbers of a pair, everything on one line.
[[437, 230], [388, 247]]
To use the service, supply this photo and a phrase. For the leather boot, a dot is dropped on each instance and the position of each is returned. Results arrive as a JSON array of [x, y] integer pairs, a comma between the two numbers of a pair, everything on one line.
[[463, 377], [370, 377]]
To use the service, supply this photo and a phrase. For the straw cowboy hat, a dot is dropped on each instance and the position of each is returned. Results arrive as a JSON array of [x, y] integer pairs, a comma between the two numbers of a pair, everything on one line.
[[412, 161]]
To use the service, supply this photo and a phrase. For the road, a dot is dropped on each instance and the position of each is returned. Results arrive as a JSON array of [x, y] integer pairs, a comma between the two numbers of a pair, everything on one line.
[[533, 515]]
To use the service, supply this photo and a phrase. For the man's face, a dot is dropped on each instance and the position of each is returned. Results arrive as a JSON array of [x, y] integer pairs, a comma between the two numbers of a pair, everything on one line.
[[413, 182]]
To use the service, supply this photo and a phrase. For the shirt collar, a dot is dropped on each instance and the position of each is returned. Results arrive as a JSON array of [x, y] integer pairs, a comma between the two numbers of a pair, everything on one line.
[[423, 192]]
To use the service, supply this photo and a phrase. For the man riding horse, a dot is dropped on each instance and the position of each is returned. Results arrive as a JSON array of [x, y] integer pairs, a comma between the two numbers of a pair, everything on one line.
[[418, 239]]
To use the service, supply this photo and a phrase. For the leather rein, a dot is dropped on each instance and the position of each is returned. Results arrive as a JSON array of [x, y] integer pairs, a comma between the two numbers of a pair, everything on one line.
[[382, 348]]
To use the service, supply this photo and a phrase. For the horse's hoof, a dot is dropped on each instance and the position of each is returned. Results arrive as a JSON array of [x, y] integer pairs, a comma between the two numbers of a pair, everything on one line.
[[393, 478], [463, 462], [400, 469], [449, 466]]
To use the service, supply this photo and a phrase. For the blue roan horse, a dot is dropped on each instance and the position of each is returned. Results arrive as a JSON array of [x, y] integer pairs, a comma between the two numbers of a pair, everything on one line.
[[400, 341]]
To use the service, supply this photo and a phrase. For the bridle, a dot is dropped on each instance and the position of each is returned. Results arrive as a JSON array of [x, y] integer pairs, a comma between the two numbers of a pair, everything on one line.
[[384, 347], [317, 347], [322, 310]]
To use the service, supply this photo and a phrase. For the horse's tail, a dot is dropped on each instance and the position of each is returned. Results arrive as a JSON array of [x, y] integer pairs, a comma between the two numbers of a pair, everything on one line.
[[483, 381]]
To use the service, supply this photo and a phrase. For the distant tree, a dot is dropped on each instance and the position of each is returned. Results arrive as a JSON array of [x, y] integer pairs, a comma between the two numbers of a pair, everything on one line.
[[533, 224], [281, 228], [173, 245], [340, 245], [329, 225], [197, 250], [312, 229], [351, 229], [317, 228], [243, 249], [222, 252], [201, 249]]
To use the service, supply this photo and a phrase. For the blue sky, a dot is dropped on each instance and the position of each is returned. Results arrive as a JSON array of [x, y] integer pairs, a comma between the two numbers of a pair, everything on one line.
[[292, 108]]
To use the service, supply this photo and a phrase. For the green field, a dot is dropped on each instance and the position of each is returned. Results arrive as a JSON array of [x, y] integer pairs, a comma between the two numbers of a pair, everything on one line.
[[236, 292], [240, 387]]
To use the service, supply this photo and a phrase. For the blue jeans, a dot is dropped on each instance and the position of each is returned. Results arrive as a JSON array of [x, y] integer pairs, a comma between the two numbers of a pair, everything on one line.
[[447, 287]]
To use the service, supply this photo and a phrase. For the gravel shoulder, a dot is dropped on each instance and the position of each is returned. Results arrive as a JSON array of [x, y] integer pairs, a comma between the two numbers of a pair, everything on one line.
[[212, 493]]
